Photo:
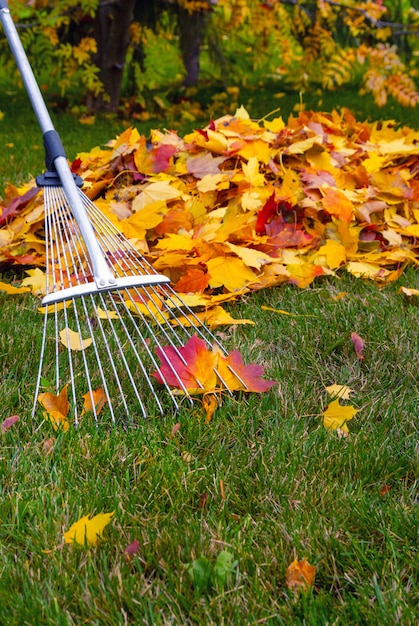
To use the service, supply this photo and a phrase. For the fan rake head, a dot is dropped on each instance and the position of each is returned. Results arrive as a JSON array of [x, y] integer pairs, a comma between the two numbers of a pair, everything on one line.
[[114, 349]]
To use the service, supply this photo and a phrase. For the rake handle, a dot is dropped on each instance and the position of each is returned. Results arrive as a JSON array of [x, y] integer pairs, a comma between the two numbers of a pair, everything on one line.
[[56, 156]]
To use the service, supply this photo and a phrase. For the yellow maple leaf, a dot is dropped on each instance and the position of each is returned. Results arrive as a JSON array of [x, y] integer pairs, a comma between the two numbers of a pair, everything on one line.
[[339, 391], [161, 190], [251, 172], [70, 339], [334, 252], [36, 280], [230, 272], [87, 532], [336, 416], [143, 219], [275, 125]]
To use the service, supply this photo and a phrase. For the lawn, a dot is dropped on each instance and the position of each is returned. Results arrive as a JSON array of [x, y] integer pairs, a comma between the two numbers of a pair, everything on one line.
[[264, 480]]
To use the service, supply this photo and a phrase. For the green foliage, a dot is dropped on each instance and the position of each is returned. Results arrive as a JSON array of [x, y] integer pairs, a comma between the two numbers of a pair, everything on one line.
[[58, 40], [302, 46], [206, 576]]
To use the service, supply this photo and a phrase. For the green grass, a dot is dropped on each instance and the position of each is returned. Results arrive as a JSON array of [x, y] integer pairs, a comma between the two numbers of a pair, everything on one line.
[[291, 488]]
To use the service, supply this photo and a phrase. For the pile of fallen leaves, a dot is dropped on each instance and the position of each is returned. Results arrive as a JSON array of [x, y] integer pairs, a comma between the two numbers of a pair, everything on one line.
[[242, 205]]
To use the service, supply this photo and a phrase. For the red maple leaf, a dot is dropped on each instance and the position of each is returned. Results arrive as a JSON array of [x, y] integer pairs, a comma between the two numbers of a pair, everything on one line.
[[197, 369]]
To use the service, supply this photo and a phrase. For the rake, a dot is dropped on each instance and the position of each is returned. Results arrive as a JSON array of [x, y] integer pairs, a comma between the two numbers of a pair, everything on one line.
[[114, 329]]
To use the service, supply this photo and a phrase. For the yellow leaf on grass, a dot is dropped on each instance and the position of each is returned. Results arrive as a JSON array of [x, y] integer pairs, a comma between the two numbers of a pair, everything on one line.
[[87, 531], [409, 291], [52, 308], [215, 316], [336, 416], [339, 391], [72, 340], [12, 290], [106, 315], [282, 312], [36, 280]]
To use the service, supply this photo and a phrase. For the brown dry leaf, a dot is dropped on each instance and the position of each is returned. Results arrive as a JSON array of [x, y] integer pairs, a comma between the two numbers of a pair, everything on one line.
[[300, 575]]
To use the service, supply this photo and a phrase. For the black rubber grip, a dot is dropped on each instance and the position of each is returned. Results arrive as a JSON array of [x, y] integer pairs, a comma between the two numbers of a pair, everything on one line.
[[53, 148]]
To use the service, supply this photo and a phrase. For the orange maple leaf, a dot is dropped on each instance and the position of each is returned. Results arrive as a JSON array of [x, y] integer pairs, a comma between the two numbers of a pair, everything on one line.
[[99, 400], [57, 408], [337, 203], [300, 575], [190, 368]]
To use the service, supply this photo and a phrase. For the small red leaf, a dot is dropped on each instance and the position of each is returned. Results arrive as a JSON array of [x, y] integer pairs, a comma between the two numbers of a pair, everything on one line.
[[359, 345], [131, 550], [8, 422], [175, 429]]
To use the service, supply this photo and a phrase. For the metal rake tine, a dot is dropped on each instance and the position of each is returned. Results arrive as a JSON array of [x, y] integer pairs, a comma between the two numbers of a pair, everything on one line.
[[107, 233]]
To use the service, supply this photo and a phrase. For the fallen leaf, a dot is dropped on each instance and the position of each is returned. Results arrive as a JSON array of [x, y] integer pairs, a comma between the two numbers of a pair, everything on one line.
[[238, 376], [48, 445], [282, 312], [36, 280], [175, 429], [131, 550], [336, 416], [359, 345], [190, 368], [300, 575], [339, 391], [10, 289], [8, 422], [210, 404], [409, 291], [87, 532], [72, 340], [57, 408], [99, 400]]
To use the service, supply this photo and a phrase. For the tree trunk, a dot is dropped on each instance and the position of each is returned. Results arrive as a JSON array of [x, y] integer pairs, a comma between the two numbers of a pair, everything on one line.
[[111, 29], [191, 33]]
